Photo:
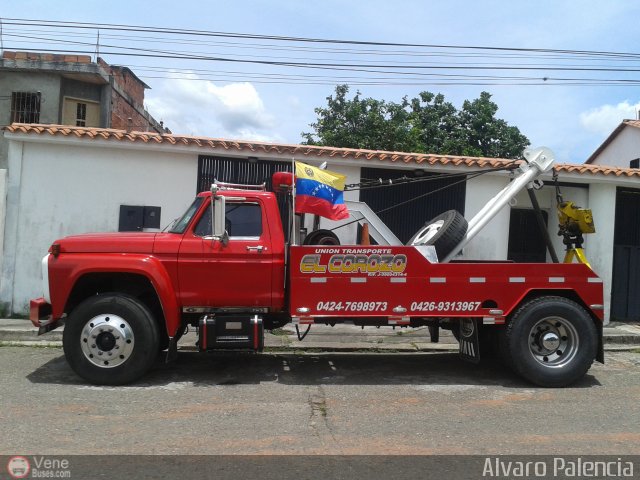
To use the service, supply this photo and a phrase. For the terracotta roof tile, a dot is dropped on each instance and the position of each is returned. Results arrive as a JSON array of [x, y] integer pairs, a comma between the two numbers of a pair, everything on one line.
[[302, 151]]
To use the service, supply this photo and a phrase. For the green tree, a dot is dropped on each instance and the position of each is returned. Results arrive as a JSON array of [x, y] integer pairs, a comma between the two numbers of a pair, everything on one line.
[[482, 134], [424, 124], [360, 123]]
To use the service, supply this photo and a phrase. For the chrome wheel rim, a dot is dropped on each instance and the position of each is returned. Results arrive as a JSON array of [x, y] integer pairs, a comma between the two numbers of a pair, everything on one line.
[[107, 340], [553, 342], [428, 232]]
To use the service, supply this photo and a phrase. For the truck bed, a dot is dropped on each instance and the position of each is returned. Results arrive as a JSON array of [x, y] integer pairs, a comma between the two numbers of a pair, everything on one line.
[[400, 282]]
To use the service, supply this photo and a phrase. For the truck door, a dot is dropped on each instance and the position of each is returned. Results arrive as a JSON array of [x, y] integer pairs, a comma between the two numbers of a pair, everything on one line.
[[235, 275]]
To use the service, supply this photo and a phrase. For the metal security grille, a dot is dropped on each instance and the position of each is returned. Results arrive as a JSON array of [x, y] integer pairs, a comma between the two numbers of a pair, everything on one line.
[[25, 107], [526, 241], [244, 171], [237, 170], [81, 115], [405, 220], [625, 291]]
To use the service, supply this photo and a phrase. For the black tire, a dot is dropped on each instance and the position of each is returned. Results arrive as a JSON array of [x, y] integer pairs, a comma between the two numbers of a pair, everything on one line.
[[550, 341], [111, 339], [321, 237], [444, 232]]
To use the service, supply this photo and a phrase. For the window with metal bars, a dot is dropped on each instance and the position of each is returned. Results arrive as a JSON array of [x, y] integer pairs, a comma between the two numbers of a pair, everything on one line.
[[25, 107], [81, 115]]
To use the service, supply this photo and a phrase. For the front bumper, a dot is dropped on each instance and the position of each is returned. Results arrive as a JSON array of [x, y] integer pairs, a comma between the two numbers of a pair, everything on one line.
[[41, 317]]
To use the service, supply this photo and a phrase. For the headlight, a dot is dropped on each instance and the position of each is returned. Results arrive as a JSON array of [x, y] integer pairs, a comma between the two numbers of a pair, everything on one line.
[[45, 278]]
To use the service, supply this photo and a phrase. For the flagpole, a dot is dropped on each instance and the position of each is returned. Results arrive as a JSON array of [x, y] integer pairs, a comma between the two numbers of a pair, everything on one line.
[[292, 239]]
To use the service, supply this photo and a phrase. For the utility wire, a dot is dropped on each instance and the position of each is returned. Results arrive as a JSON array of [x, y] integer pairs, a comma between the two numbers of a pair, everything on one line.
[[306, 50], [209, 33], [376, 63], [168, 55], [468, 177], [368, 184]]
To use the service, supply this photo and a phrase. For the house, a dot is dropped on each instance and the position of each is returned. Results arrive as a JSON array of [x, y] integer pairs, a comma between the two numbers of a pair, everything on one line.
[[70, 90], [621, 148], [71, 179]]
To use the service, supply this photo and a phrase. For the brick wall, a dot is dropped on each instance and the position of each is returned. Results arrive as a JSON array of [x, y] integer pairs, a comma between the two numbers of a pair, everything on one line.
[[45, 57], [122, 111], [127, 101], [129, 84]]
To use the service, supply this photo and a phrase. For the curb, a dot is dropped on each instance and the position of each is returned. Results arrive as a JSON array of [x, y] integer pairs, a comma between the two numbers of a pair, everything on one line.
[[615, 339]]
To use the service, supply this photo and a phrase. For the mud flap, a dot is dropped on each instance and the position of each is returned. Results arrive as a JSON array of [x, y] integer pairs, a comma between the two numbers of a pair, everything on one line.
[[469, 344]]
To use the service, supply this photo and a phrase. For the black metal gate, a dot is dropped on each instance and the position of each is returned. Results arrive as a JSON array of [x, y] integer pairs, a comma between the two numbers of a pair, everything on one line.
[[526, 241], [625, 295], [244, 171], [405, 220], [237, 170]]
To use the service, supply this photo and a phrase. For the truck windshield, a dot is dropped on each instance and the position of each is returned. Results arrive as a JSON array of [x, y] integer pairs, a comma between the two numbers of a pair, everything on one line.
[[182, 223]]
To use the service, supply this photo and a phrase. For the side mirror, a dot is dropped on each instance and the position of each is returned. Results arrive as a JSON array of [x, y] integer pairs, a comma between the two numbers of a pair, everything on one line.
[[218, 210]]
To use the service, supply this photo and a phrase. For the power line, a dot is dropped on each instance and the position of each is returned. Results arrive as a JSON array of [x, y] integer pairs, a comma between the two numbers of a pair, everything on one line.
[[181, 31], [401, 64], [307, 49], [436, 66], [154, 53]]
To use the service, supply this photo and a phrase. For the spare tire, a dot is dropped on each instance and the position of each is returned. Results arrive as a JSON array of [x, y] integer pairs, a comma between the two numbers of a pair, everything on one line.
[[321, 237], [444, 232]]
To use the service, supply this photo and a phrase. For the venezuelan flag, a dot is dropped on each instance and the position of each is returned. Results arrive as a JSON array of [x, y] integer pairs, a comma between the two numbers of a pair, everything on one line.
[[320, 192]]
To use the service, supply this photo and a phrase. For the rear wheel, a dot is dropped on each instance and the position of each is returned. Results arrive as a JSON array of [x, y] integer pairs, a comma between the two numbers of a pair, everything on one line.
[[111, 339], [550, 341]]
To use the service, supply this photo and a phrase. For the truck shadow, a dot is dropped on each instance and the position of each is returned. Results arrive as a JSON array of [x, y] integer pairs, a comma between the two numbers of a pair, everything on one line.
[[227, 369]]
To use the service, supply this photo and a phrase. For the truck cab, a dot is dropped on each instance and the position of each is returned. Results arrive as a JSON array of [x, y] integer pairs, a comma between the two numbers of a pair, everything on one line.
[[243, 271]]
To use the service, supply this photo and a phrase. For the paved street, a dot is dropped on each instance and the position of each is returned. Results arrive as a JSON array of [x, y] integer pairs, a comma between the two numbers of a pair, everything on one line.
[[336, 403]]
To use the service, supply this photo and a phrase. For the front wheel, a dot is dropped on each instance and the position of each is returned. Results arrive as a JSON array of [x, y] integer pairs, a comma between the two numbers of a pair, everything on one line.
[[111, 339], [550, 341]]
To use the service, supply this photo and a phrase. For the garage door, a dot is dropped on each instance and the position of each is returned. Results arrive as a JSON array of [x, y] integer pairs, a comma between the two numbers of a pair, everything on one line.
[[625, 295]]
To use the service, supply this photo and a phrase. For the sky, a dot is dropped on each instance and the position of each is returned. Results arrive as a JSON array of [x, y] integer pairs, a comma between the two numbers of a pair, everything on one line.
[[252, 101]]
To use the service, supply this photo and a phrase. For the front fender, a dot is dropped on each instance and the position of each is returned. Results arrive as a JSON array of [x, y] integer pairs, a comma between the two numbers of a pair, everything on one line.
[[67, 269]]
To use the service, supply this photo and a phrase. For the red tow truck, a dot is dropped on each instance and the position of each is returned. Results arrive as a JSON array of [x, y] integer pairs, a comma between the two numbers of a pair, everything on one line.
[[225, 268]]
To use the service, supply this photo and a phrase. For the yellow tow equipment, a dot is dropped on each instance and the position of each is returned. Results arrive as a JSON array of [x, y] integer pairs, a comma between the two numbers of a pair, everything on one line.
[[574, 222]]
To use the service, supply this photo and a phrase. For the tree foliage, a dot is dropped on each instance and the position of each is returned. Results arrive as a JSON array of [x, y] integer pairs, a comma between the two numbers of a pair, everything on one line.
[[425, 124]]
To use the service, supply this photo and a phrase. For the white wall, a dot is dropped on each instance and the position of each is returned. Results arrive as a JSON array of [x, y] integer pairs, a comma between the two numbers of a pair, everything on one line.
[[492, 241], [624, 148], [3, 211], [599, 246], [57, 190]]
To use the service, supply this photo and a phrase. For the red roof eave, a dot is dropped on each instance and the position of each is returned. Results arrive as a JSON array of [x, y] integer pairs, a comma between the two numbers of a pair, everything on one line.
[[297, 150]]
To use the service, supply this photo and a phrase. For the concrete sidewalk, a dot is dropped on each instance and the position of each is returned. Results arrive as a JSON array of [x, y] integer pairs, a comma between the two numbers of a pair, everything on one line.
[[341, 338]]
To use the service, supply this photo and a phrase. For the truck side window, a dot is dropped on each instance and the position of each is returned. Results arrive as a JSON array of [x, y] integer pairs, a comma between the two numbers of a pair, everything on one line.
[[243, 220]]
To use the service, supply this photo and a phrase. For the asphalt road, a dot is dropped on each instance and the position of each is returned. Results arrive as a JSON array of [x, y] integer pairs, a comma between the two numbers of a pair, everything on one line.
[[315, 404]]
